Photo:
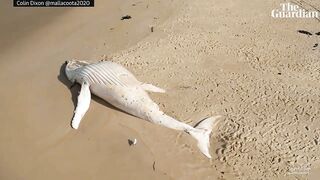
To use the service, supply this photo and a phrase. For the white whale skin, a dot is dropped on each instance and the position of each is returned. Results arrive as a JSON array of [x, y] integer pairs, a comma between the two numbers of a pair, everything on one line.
[[116, 85]]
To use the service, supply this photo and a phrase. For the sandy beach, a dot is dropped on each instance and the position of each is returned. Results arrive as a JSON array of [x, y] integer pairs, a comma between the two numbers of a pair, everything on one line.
[[228, 58]]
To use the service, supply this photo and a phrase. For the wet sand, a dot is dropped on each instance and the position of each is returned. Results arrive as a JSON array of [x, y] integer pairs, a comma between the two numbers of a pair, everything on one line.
[[212, 57]]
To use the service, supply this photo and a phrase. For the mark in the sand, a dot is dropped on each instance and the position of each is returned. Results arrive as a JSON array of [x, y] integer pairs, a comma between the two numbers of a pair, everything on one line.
[[136, 3], [318, 33], [151, 28], [132, 142], [154, 165], [315, 45], [305, 32], [125, 17], [184, 87], [279, 73]]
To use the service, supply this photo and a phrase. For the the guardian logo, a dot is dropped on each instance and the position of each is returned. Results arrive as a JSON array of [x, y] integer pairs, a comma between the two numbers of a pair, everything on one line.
[[288, 10]]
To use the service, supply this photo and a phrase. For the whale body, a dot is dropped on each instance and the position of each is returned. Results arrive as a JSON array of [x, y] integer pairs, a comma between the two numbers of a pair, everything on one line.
[[119, 87]]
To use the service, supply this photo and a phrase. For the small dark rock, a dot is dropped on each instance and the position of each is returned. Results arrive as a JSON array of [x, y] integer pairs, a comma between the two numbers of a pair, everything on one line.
[[130, 142], [315, 45], [125, 17]]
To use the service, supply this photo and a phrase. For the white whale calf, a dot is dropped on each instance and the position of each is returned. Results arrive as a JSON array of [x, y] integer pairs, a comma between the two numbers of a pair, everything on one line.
[[116, 85]]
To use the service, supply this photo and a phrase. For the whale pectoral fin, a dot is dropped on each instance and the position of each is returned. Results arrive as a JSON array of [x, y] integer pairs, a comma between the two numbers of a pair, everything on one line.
[[83, 104], [152, 88]]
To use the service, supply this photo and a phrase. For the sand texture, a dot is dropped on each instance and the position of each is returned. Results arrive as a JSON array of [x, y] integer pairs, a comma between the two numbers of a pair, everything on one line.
[[228, 58]]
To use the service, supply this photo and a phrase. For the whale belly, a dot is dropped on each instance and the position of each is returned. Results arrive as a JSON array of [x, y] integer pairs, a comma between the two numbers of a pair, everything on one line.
[[133, 100], [119, 87]]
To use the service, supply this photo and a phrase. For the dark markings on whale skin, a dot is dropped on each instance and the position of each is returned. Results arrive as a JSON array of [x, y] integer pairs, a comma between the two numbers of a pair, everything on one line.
[[305, 32]]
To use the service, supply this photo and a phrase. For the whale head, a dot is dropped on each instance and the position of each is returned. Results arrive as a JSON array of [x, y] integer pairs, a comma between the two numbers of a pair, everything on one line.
[[72, 66]]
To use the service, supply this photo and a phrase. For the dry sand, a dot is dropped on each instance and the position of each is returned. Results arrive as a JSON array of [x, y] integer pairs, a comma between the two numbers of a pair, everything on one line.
[[212, 57]]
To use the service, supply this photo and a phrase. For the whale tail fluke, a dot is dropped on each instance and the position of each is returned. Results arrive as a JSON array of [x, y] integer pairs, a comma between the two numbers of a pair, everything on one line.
[[202, 131]]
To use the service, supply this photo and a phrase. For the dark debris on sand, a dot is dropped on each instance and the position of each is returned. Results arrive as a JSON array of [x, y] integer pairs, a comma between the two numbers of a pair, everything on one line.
[[305, 32], [126, 17]]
